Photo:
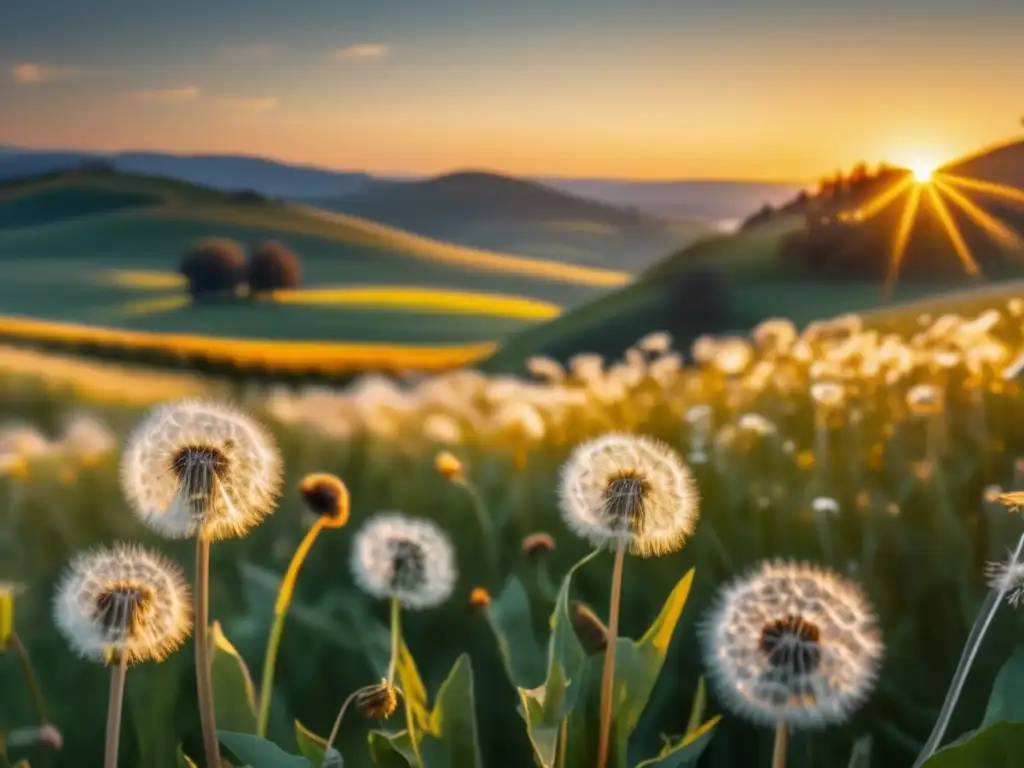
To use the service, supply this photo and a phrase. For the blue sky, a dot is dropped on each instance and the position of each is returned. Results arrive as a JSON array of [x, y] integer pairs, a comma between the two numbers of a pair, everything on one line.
[[644, 88]]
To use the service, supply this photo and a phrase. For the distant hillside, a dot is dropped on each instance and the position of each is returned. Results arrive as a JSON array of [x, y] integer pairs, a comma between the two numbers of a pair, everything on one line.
[[721, 202], [1003, 164], [720, 284], [224, 172], [488, 210], [102, 249]]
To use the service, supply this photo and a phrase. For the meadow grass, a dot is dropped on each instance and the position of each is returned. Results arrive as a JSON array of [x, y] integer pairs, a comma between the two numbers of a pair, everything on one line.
[[893, 496]]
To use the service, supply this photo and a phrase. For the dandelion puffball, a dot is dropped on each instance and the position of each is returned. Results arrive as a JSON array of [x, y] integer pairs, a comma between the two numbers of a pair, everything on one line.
[[792, 642], [200, 468], [404, 558], [629, 490], [123, 601]]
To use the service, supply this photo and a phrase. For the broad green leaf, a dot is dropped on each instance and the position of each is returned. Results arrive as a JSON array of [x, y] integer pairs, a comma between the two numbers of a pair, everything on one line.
[[391, 750], [313, 747], [234, 699], [643, 661], [637, 666], [452, 738], [687, 751], [545, 707], [997, 746], [509, 616], [259, 753], [1005, 703]]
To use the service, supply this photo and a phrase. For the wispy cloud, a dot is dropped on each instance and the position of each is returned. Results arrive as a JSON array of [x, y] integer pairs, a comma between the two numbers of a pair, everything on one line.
[[250, 52], [362, 52], [254, 105], [33, 73], [168, 95]]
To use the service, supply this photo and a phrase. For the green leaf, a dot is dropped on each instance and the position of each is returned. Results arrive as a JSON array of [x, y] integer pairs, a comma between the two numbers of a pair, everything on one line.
[[234, 699], [545, 707], [259, 753], [509, 616], [699, 705], [1005, 703], [414, 693], [637, 666], [997, 746], [687, 751], [642, 662], [391, 750], [452, 739], [314, 748]]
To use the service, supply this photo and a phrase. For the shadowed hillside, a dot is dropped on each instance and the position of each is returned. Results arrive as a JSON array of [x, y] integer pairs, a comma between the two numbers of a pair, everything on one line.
[[492, 211]]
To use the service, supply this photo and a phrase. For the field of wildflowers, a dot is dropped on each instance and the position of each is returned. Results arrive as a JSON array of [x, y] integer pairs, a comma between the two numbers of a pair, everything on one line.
[[798, 545]]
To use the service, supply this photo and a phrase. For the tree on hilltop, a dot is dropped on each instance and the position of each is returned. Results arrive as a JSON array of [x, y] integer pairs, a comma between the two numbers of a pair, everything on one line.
[[273, 267], [213, 267]]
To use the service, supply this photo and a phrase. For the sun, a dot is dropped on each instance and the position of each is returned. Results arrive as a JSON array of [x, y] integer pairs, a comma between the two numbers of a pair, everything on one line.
[[923, 171]]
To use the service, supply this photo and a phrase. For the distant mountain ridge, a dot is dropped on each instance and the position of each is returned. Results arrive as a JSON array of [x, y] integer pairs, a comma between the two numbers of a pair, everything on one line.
[[708, 201]]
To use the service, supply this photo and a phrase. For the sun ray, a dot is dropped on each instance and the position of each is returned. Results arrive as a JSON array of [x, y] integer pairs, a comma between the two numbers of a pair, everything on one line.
[[997, 190], [907, 219], [986, 221], [884, 198], [953, 232]]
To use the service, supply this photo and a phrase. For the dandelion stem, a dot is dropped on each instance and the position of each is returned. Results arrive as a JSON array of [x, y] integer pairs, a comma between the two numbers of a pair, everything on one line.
[[977, 634], [608, 674], [483, 520], [204, 683], [337, 721], [284, 599], [779, 750], [31, 679], [563, 739], [118, 672], [396, 637]]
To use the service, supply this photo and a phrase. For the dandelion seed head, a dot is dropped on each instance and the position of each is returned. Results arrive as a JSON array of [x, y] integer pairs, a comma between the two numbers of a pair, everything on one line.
[[629, 490], [825, 504], [793, 642], [1007, 576], [200, 468], [123, 601], [408, 559]]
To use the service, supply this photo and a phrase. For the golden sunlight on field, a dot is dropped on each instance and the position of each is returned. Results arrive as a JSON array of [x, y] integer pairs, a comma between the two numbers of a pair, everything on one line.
[[293, 355], [144, 279], [424, 300]]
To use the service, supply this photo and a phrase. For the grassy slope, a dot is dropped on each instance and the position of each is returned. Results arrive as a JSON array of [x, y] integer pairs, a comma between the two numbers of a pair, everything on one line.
[[611, 323], [492, 211], [59, 235]]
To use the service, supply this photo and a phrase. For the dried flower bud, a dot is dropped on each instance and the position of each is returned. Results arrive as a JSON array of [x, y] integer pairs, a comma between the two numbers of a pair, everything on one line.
[[479, 599], [326, 496], [377, 701], [591, 631], [539, 543], [448, 466]]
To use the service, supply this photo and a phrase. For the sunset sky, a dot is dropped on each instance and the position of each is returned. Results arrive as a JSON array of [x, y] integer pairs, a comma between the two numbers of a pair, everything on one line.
[[786, 89]]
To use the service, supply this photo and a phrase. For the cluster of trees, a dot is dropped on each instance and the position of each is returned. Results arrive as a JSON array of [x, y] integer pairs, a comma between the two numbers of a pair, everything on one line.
[[219, 268]]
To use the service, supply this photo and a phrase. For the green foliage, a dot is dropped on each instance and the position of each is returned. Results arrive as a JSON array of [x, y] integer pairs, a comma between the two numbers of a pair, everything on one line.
[[234, 698], [259, 753]]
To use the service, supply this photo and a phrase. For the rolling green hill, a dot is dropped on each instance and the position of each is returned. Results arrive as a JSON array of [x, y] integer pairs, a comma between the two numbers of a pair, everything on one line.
[[101, 248], [745, 269], [488, 210]]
